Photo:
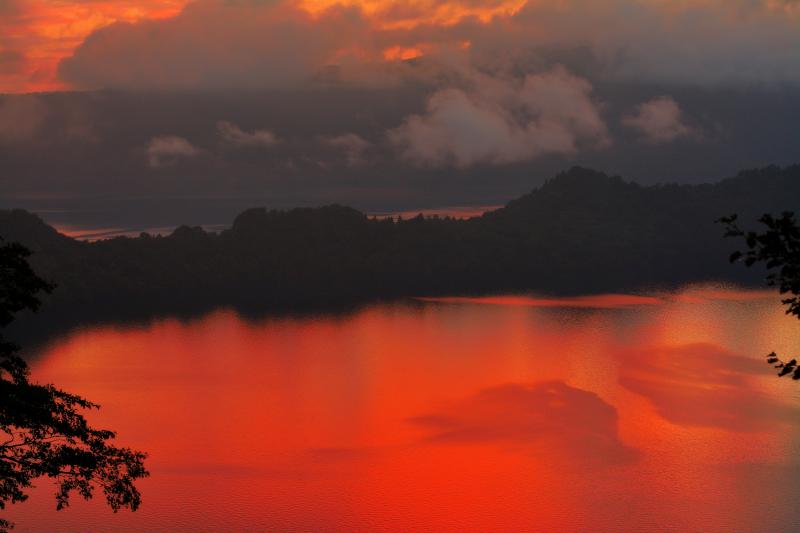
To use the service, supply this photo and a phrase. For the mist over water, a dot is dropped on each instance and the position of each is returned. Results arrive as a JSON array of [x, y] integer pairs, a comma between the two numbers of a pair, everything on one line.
[[602, 413]]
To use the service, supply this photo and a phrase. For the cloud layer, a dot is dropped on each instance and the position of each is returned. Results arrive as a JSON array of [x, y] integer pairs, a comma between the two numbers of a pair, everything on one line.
[[214, 44], [20, 118], [249, 43], [234, 135], [660, 121], [500, 121], [39, 33], [352, 146], [169, 149]]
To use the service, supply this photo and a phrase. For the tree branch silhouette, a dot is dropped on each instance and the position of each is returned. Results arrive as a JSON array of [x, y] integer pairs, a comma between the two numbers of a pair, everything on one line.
[[778, 248], [45, 434]]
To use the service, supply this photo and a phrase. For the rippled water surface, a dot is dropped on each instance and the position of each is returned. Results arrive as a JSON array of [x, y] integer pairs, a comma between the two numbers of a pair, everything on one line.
[[601, 413]]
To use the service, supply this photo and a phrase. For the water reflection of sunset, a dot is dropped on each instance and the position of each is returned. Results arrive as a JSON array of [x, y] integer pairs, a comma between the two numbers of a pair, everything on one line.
[[454, 416]]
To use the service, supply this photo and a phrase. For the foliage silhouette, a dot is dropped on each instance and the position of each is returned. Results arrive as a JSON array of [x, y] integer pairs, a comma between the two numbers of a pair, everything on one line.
[[580, 232], [42, 430], [778, 247]]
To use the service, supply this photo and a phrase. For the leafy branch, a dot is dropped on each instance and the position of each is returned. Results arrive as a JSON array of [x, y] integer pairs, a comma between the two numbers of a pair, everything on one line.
[[785, 368], [46, 434], [778, 248]]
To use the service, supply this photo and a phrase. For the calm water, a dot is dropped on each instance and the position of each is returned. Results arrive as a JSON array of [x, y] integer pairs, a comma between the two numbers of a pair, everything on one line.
[[610, 413]]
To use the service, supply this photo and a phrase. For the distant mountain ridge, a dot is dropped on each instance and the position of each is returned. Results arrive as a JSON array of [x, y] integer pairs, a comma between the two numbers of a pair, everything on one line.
[[582, 231]]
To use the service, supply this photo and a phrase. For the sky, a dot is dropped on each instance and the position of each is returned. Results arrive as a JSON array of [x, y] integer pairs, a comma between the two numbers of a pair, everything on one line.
[[393, 104], [77, 44]]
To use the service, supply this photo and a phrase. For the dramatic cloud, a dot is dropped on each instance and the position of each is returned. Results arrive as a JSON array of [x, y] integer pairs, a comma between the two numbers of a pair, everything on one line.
[[353, 146], [502, 121], [169, 149], [217, 44], [660, 121], [20, 118], [233, 134], [45, 32], [703, 42], [253, 43], [54, 157]]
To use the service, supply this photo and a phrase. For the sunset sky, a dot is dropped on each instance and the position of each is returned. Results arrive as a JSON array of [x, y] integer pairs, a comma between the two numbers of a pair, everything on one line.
[[50, 45], [399, 265], [385, 105], [38, 34]]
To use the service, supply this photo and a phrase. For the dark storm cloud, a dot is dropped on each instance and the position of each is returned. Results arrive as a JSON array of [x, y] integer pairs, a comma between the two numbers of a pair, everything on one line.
[[513, 88], [333, 147], [213, 44]]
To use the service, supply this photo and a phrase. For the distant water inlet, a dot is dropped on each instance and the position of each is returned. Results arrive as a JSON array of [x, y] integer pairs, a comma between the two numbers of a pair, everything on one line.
[[602, 413], [94, 232]]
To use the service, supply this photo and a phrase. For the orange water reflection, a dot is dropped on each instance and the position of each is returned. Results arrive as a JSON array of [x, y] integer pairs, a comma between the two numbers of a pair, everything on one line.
[[632, 413]]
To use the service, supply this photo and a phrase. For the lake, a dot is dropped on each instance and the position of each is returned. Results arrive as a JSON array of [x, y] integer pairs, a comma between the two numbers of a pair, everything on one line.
[[511, 413]]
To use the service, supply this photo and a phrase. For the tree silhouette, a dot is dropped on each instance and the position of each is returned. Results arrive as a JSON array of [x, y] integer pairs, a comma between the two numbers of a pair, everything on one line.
[[778, 248], [42, 432]]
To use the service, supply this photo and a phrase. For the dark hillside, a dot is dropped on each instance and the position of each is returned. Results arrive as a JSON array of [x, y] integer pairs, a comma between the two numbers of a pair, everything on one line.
[[582, 231]]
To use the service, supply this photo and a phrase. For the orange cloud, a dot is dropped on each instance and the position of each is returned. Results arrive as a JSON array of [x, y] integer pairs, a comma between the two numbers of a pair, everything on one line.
[[42, 32], [35, 35], [398, 14]]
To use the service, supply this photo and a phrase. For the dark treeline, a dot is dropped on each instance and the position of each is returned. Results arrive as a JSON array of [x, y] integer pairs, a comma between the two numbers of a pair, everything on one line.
[[582, 231]]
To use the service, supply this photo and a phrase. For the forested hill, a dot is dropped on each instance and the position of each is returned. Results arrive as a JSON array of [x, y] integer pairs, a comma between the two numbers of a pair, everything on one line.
[[582, 231]]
